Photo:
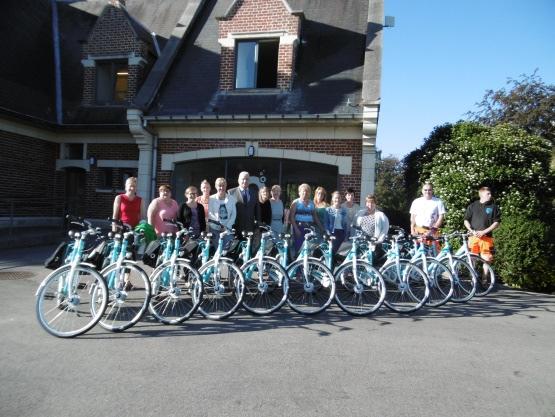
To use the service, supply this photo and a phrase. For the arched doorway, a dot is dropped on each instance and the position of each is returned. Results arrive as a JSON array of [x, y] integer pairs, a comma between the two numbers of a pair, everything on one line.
[[288, 173]]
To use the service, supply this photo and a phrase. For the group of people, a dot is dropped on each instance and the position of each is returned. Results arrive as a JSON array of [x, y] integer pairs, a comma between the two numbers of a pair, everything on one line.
[[241, 208], [481, 218]]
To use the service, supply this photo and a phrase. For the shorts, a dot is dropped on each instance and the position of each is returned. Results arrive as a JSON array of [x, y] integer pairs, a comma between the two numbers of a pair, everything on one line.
[[481, 246]]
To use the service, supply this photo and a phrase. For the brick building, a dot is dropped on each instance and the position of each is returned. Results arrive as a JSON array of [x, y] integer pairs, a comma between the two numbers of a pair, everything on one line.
[[175, 91]]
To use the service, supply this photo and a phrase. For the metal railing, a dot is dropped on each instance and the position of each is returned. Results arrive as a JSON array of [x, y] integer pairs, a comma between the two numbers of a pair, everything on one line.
[[22, 212]]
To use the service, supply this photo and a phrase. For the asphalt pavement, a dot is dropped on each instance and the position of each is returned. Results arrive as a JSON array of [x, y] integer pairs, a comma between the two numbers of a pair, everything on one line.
[[493, 356]]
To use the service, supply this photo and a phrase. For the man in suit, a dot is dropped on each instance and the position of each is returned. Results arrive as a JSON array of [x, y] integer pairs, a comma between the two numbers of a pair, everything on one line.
[[247, 202]]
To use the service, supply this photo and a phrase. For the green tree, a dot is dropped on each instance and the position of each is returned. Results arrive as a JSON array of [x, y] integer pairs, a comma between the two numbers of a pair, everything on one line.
[[528, 103], [516, 165], [512, 162], [390, 190], [415, 161]]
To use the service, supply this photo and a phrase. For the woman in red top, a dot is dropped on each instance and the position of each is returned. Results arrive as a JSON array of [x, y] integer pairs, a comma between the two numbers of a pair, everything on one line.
[[129, 207]]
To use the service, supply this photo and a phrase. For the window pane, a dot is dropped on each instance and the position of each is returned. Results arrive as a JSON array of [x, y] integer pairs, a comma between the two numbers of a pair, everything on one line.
[[120, 93], [105, 177], [246, 65], [267, 63], [104, 90]]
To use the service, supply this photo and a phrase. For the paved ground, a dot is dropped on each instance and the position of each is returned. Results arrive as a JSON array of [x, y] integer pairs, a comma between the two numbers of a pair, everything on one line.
[[490, 357]]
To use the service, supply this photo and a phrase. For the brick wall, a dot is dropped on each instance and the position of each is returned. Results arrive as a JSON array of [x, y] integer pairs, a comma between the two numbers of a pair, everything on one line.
[[28, 173], [112, 35], [259, 16], [352, 148], [99, 204]]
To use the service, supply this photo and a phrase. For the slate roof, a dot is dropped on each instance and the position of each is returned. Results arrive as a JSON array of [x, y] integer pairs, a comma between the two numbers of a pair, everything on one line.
[[328, 72], [27, 69]]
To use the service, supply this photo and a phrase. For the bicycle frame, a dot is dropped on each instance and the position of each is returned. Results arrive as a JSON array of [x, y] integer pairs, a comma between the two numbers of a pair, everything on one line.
[[68, 285]]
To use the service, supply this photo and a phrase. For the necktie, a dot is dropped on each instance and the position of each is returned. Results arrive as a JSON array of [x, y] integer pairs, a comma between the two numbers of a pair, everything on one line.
[[245, 196]]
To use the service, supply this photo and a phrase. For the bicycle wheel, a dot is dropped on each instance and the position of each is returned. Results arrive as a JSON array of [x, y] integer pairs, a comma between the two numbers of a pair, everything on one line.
[[265, 288], [176, 292], [64, 304], [485, 275], [406, 286], [465, 281], [224, 287], [128, 296], [440, 281], [311, 289], [359, 291]]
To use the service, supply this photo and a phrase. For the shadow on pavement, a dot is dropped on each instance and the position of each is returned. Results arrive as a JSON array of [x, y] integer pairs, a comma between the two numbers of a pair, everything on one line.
[[504, 302]]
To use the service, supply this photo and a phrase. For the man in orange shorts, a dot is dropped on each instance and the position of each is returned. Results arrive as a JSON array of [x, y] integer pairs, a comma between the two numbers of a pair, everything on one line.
[[482, 217]]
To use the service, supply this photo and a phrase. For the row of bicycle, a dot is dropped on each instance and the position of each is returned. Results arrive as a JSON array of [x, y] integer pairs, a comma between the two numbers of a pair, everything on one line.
[[218, 279]]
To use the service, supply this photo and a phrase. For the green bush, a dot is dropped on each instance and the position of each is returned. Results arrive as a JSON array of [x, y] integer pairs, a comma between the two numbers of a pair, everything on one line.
[[524, 253]]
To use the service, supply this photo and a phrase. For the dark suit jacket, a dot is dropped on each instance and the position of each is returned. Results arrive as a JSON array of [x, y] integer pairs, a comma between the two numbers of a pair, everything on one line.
[[246, 211]]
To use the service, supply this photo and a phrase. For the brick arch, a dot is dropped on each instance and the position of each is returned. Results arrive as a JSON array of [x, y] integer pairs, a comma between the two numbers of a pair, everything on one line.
[[343, 163]]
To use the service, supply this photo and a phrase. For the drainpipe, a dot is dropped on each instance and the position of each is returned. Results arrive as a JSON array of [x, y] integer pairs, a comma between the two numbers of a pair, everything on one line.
[[145, 141], [154, 161], [57, 63]]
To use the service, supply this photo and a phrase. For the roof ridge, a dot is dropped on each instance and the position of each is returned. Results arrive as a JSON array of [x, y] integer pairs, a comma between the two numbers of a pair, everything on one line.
[[159, 70]]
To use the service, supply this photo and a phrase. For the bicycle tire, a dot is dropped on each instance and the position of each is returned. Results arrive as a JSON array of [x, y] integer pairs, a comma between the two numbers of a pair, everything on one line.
[[440, 281], [67, 316], [128, 300], [362, 294], [224, 287], [265, 292], [465, 281], [485, 275], [406, 286], [174, 305], [314, 295]]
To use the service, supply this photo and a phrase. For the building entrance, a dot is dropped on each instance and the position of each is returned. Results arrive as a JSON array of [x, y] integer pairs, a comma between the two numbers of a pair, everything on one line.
[[287, 173]]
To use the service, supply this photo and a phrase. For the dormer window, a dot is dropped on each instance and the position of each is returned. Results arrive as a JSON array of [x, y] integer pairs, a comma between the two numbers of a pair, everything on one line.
[[256, 63], [111, 82]]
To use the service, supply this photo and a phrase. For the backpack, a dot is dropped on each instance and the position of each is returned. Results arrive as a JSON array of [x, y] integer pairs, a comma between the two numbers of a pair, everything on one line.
[[152, 251], [57, 259]]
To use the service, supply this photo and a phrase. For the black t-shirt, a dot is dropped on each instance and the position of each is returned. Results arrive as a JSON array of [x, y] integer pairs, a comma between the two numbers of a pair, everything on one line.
[[481, 216]]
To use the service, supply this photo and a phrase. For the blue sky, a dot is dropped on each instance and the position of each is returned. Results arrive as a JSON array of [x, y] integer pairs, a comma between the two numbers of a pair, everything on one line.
[[442, 56]]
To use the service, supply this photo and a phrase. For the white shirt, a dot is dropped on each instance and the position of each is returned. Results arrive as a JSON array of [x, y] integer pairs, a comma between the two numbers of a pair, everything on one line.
[[427, 211], [229, 210]]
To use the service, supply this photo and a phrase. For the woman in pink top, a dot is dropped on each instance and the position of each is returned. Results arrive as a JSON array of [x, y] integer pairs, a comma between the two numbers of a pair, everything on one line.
[[163, 207]]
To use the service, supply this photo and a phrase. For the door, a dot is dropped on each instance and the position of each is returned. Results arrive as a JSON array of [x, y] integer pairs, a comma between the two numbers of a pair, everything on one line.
[[75, 191]]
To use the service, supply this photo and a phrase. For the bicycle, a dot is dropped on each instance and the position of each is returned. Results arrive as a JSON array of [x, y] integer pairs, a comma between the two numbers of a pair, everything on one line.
[[360, 289], [311, 283], [464, 277], [266, 281], [65, 306], [440, 277], [406, 284], [224, 282], [128, 284], [485, 275], [177, 288]]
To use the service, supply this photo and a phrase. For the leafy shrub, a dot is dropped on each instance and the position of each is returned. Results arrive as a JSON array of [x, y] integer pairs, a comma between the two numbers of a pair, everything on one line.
[[524, 253]]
